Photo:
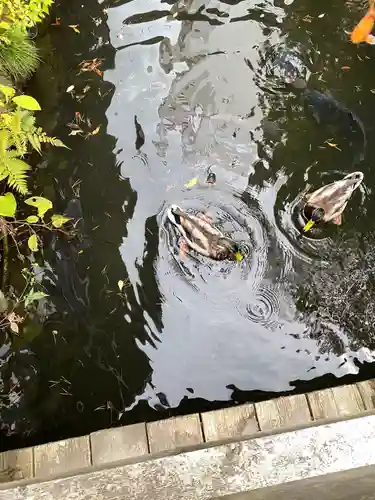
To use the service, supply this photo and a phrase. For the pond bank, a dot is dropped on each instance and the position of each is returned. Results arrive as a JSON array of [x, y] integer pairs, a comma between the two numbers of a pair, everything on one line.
[[142, 442]]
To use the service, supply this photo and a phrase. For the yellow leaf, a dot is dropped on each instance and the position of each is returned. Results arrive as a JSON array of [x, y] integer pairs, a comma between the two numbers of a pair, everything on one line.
[[33, 243], [94, 132], [333, 145], [59, 220], [192, 182], [32, 219], [40, 203], [239, 256], [74, 27], [120, 285], [8, 205], [26, 102]]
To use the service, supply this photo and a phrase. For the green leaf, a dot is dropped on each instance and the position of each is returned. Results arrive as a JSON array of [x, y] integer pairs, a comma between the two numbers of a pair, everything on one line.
[[28, 121], [33, 243], [7, 91], [59, 144], [191, 183], [59, 220], [32, 219], [35, 142], [34, 296], [42, 204], [26, 102], [8, 205]]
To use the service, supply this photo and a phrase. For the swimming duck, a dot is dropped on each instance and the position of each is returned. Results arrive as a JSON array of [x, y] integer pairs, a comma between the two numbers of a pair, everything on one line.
[[198, 233], [327, 203]]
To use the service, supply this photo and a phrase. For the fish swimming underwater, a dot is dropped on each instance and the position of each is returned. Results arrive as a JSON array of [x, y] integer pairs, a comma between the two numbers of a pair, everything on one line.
[[326, 110], [198, 233], [362, 32], [327, 203]]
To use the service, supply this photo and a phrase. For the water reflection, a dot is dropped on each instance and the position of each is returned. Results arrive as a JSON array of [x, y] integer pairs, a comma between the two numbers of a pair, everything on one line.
[[186, 86]]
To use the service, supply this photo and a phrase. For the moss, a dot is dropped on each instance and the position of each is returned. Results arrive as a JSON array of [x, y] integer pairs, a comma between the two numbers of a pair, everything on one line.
[[19, 58]]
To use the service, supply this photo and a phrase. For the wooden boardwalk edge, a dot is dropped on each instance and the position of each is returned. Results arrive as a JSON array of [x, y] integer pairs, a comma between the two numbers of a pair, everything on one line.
[[142, 441]]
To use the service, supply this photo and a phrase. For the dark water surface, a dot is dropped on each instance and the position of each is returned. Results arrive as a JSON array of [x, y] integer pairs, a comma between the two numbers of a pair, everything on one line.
[[186, 335]]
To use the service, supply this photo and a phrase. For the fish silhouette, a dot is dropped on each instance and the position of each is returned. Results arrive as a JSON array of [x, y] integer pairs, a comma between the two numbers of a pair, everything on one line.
[[140, 135]]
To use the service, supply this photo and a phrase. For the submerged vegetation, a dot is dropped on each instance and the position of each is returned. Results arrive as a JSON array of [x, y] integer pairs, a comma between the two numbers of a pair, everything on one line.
[[19, 135]]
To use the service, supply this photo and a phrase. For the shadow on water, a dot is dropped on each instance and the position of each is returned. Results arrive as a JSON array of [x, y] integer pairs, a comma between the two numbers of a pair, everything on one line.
[[133, 329]]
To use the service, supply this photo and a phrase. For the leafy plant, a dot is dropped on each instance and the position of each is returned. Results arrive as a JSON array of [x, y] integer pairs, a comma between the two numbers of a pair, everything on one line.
[[17, 133], [23, 12], [19, 56]]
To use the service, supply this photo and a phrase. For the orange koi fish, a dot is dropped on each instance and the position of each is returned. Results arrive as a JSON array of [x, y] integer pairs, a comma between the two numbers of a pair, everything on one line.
[[362, 32]]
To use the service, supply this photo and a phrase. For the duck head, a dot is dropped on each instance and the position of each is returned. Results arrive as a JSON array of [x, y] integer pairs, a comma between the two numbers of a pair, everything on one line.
[[200, 235], [327, 203]]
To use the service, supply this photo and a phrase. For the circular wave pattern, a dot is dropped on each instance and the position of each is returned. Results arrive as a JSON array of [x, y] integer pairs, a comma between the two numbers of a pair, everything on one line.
[[264, 309]]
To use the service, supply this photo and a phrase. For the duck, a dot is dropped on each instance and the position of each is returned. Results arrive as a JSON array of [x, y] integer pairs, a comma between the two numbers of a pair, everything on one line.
[[328, 203], [198, 233]]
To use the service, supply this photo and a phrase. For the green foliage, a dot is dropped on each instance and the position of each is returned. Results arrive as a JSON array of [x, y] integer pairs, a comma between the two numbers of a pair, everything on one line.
[[18, 54], [25, 13], [8, 205], [17, 133]]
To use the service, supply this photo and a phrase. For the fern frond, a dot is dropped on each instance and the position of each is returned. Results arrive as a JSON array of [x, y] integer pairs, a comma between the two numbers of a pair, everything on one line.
[[54, 141], [34, 140], [38, 136], [17, 176]]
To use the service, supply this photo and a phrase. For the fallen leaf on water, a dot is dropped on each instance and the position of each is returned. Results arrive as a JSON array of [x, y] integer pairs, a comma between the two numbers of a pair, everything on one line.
[[345, 67], [74, 27], [372, 90], [332, 145], [321, 15], [96, 131], [91, 65], [192, 182], [57, 22], [239, 256], [69, 89], [120, 285], [76, 132]]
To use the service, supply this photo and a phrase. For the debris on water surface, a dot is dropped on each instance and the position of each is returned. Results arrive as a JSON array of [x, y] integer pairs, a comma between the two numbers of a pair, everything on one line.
[[70, 88], [74, 27], [191, 183], [91, 65], [332, 145]]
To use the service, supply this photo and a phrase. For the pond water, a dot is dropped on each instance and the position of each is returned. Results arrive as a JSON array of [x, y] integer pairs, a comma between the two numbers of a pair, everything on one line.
[[206, 82]]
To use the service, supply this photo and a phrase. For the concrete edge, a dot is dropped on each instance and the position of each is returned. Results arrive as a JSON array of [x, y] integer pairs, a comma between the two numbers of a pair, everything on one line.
[[223, 470]]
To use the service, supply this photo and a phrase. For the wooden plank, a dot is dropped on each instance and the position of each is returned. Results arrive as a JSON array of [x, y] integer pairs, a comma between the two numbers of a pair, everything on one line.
[[367, 392], [239, 421], [323, 404], [348, 400], [283, 412], [174, 433], [16, 464], [62, 456], [110, 445]]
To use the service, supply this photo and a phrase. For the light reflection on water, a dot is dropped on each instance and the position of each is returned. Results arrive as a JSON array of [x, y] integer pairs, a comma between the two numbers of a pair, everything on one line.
[[208, 89]]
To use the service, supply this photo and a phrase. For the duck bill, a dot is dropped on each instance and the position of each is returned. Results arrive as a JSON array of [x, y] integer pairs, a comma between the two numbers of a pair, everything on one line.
[[308, 226]]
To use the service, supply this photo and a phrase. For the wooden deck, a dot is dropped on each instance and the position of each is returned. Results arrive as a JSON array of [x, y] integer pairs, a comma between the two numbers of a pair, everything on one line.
[[139, 441]]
